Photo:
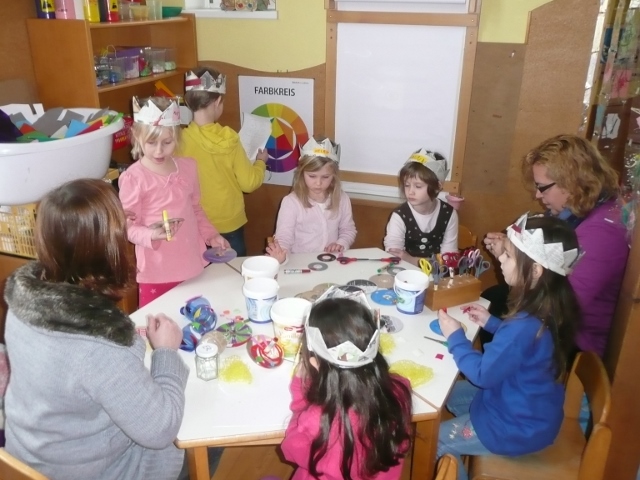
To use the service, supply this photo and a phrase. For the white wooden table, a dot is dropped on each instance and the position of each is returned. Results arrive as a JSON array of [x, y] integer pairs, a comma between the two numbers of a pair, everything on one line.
[[218, 413]]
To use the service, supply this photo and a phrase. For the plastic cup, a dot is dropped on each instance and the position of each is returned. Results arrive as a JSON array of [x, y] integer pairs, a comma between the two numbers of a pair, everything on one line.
[[288, 315], [410, 287], [260, 294], [260, 267]]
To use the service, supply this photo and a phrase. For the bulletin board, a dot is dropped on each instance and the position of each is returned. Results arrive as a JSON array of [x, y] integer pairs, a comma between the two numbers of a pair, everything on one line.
[[396, 82]]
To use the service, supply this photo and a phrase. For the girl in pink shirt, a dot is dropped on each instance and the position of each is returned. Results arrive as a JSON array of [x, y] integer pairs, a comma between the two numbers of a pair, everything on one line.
[[167, 253], [316, 216], [351, 417]]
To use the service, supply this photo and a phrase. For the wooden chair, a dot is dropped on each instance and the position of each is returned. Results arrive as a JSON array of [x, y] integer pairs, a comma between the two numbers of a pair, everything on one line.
[[466, 239], [447, 468], [572, 456], [13, 469]]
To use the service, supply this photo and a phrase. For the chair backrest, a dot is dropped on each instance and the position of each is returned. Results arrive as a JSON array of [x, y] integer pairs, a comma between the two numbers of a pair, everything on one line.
[[447, 468], [589, 376], [13, 469], [466, 239]]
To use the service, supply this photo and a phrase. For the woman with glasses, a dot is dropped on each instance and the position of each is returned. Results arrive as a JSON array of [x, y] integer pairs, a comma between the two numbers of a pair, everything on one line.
[[575, 183]]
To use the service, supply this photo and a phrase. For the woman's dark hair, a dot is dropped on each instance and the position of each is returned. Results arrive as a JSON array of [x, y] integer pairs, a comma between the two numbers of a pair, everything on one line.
[[199, 99], [550, 297], [81, 238], [381, 402]]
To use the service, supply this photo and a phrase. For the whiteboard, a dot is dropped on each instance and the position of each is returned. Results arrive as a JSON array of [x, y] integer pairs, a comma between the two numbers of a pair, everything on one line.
[[397, 90]]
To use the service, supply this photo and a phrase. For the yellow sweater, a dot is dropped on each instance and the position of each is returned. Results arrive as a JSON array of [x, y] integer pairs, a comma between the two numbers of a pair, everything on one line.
[[225, 172]]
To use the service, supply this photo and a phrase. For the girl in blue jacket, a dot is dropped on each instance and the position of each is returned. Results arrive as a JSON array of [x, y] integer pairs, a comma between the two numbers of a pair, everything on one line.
[[512, 401]]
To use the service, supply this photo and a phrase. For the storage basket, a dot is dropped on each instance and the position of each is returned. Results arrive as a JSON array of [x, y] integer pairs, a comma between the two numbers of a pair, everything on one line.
[[17, 224]]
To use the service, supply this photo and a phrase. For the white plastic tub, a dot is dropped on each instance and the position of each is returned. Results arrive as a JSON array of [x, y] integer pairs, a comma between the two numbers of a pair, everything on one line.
[[29, 170]]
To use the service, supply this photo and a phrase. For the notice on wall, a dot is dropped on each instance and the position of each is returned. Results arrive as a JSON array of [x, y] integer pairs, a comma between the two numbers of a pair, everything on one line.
[[288, 103]]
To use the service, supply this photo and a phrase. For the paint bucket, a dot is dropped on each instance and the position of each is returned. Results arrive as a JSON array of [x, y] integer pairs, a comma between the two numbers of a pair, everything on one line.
[[410, 287], [288, 315], [260, 294], [260, 267]]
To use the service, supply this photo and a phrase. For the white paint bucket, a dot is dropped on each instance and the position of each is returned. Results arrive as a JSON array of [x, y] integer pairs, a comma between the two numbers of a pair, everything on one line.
[[260, 294], [410, 287]]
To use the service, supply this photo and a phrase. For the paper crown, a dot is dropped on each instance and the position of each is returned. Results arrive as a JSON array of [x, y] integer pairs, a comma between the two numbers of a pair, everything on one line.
[[206, 82], [432, 160], [322, 149], [345, 355], [550, 255], [149, 113]]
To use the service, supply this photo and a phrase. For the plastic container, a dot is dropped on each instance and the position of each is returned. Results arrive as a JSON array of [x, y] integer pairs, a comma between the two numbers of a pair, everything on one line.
[[155, 9], [116, 70], [170, 59], [260, 267], [260, 295], [157, 56], [30, 170], [288, 315], [131, 67], [139, 12], [410, 287]]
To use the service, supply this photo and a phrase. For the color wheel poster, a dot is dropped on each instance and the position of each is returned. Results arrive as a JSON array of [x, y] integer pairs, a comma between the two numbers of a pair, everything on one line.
[[288, 103]]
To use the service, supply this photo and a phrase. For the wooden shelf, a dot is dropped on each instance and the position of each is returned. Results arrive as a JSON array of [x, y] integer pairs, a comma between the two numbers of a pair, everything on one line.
[[63, 59], [137, 23], [142, 80]]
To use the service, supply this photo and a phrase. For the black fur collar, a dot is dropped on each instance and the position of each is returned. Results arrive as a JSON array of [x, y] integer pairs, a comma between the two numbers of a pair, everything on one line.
[[63, 307]]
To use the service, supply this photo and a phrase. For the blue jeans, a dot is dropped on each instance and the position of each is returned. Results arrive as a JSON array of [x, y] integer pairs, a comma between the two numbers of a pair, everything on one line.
[[457, 436], [236, 240]]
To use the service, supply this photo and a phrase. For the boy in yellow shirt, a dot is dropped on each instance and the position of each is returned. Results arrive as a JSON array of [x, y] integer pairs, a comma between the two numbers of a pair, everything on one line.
[[224, 169]]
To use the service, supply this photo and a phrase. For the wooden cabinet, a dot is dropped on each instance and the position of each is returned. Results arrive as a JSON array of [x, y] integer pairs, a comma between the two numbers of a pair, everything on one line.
[[63, 59]]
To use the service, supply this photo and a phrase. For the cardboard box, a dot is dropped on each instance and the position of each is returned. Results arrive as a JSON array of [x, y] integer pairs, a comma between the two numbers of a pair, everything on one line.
[[453, 291]]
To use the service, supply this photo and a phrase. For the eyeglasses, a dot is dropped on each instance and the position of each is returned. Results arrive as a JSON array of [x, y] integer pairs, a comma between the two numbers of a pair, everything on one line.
[[544, 188]]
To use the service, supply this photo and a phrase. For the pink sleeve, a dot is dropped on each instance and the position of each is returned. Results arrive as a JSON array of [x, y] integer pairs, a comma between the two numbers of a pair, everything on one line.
[[131, 198], [286, 223], [296, 445], [347, 227]]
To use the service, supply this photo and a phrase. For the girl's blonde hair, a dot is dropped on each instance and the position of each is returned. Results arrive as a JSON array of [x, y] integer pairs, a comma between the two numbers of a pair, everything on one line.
[[313, 164], [576, 166], [142, 133]]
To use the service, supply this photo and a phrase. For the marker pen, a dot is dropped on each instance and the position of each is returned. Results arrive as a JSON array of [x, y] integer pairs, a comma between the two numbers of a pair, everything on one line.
[[297, 270]]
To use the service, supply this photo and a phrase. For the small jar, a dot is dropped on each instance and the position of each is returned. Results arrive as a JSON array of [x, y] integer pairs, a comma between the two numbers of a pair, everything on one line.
[[207, 361]]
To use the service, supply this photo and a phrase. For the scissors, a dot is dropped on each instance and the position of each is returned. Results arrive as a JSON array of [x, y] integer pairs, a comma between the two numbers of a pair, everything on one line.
[[480, 265], [426, 266], [464, 264], [347, 260], [451, 260]]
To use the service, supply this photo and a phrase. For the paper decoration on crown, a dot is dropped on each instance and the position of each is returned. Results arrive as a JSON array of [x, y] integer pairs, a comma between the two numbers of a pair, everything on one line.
[[322, 149], [550, 255], [345, 355], [149, 113], [206, 82], [432, 160]]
